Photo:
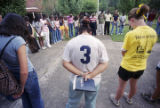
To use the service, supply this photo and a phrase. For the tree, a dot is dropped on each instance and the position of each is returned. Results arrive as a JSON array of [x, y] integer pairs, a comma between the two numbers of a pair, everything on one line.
[[15, 6], [70, 6], [49, 6], [103, 5], [90, 6], [126, 5]]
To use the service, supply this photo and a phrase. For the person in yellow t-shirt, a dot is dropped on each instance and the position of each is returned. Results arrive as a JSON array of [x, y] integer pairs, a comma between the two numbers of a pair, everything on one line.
[[137, 47]]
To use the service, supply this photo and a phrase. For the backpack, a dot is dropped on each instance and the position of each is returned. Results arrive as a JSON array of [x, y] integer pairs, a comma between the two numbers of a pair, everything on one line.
[[8, 83]]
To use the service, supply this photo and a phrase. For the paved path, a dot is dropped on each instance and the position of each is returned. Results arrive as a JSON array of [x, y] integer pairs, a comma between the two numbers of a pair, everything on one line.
[[54, 79]]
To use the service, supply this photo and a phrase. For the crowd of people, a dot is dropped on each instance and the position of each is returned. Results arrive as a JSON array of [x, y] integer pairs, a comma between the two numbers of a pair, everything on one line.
[[89, 56], [46, 30]]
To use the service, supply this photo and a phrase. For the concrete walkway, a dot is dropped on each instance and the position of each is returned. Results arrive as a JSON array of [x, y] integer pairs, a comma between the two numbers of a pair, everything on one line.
[[54, 79]]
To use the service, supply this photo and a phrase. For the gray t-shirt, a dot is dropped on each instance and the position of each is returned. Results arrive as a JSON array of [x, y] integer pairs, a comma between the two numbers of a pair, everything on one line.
[[10, 54]]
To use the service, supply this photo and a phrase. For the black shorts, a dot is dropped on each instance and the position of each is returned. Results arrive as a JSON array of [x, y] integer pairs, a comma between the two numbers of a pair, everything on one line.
[[158, 69], [126, 75]]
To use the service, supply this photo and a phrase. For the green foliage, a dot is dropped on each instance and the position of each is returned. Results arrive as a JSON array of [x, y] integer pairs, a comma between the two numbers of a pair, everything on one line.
[[103, 5], [70, 6], [14, 6], [89, 6], [48, 6], [126, 5]]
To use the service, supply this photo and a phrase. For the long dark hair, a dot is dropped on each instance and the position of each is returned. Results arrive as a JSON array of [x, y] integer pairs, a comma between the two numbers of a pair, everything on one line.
[[14, 24], [85, 26]]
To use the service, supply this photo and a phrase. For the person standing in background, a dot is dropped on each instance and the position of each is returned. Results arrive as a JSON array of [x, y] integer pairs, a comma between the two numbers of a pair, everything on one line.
[[151, 17], [76, 25], [101, 19], [45, 30], [66, 27], [115, 22], [93, 24], [70, 24], [57, 26], [122, 21], [37, 24], [107, 22], [61, 22]]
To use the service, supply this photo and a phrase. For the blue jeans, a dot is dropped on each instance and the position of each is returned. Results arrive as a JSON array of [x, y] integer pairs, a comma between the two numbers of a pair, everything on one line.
[[158, 28], [114, 24], [76, 31], [75, 97], [70, 30], [31, 97], [58, 34], [121, 28]]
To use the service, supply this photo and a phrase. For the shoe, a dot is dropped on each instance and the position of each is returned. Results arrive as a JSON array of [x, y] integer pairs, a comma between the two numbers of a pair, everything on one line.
[[43, 47], [129, 101], [49, 46], [111, 34], [114, 101], [147, 97]]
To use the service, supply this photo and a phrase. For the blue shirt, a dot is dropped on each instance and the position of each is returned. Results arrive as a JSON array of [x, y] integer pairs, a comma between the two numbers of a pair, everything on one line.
[[10, 54]]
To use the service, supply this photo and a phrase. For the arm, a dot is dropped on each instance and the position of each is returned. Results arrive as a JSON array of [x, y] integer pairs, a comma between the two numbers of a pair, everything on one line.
[[70, 67], [99, 69], [23, 68], [123, 53]]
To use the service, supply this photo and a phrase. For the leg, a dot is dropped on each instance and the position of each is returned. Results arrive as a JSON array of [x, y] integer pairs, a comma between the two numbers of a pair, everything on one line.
[[74, 97], [70, 30], [90, 98], [116, 27], [102, 29], [112, 27], [120, 90], [156, 93], [105, 27], [32, 94], [133, 87], [108, 27], [120, 29]]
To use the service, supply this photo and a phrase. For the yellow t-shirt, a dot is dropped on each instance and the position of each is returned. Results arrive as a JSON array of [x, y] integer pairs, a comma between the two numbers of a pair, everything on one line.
[[138, 43]]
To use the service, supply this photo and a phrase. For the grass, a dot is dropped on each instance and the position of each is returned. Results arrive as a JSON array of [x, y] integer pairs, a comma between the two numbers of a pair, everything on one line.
[[120, 38]]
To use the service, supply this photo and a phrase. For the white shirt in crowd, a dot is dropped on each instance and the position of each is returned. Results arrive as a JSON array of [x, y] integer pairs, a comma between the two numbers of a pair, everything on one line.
[[86, 52], [108, 17], [76, 23], [66, 23], [122, 20]]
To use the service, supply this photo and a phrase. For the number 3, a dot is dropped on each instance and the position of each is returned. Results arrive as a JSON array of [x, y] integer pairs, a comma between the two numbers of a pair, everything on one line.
[[87, 54]]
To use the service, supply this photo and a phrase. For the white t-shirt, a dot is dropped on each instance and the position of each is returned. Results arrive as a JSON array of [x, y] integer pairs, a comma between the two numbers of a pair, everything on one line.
[[37, 25], [86, 52], [108, 17], [122, 20]]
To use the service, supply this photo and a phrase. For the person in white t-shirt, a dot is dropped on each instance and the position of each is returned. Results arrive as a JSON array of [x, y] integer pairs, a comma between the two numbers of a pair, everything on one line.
[[107, 22], [85, 56], [122, 21]]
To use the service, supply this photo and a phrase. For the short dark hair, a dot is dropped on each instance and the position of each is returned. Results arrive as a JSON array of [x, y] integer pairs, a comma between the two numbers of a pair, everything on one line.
[[14, 24]]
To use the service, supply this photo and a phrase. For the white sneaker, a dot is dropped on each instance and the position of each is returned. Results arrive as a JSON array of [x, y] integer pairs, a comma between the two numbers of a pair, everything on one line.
[[114, 101], [49, 46], [129, 101], [43, 47]]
